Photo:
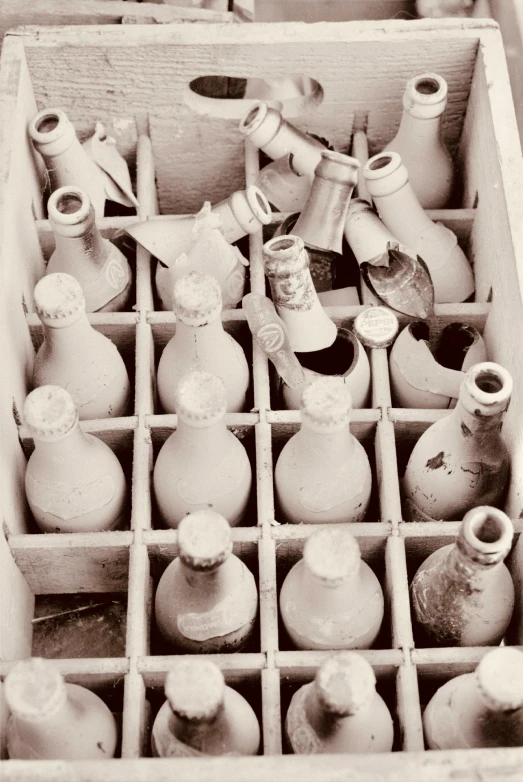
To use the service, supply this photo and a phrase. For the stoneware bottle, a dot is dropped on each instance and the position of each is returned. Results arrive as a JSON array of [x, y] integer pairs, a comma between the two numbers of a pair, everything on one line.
[[323, 473], [53, 720], [515, 631], [340, 711], [202, 715], [483, 709], [98, 265], [388, 183], [202, 464], [201, 343], [461, 461], [331, 598], [75, 356], [73, 481], [284, 187], [206, 600], [419, 140], [463, 595], [54, 137]]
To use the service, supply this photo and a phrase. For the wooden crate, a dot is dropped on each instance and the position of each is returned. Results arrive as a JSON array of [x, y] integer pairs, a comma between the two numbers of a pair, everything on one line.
[[194, 147]]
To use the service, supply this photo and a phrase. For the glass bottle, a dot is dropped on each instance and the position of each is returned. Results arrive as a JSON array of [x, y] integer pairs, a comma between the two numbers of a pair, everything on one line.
[[331, 598], [202, 464], [461, 461], [310, 478], [73, 481], [53, 720], [200, 342], [206, 600], [515, 631], [340, 711], [481, 709], [463, 595], [98, 265], [95, 375], [202, 715], [420, 143]]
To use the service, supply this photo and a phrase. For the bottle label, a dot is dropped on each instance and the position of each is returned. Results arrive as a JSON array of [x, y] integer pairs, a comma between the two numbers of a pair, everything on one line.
[[88, 385], [335, 489], [222, 479], [302, 736], [111, 281], [295, 292], [69, 500]]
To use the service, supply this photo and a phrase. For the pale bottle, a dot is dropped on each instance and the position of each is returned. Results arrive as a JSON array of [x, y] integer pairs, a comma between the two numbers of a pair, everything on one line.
[[201, 343], [463, 594], [388, 183], [202, 715], [323, 473], [515, 631], [478, 710], [331, 599], [202, 464], [73, 481], [206, 601], [67, 162], [461, 461], [54, 720], [340, 711], [98, 265], [75, 356], [420, 143]]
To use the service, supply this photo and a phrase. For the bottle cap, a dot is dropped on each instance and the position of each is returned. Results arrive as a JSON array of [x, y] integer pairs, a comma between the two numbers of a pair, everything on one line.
[[345, 683], [326, 404], [34, 689], [485, 535], [337, 167], [499, 676], [201, 398], [69, 206], [486, 389], [49, 413], [195, 689], [284, 256], [385, 174], [425, 96], [204, 540], [376, 327], [197, 299], [57, 298], [332, 555]]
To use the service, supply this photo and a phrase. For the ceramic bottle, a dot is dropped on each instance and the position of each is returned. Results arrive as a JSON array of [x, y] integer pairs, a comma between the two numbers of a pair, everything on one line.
[[323, 473], [340, 711], [515, 631], [202, 464], [53, 720], [331, 598], [98, 265], [75, 356], [73, 481], [200, 342], [206, 600], [54, 137], [388, 183], [463, 595], [202, 715], [461, 461], [419, 140], [483, 709]]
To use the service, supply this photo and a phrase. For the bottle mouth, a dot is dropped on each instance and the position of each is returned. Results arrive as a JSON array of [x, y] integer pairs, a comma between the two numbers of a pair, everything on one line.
[[337, 167], [259, 204], [284, 256], [68, 205], [254, 117], [489, 386], [486, 534], [48, 125], [381, 165], [430, 86]]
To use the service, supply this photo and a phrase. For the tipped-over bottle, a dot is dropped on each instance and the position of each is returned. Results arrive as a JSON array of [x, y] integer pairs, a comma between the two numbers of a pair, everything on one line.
[[53, 720], [331, 598], [206, 600], [75, 356], [73, 481]]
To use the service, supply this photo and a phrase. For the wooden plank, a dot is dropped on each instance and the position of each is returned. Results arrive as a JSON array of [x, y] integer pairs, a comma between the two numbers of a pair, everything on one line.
[[302, 666], [236, 668], [162, 545], [16, 608]]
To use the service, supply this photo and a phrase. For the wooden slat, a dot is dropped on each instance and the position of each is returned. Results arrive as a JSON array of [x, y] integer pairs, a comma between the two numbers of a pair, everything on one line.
[[302, 666]]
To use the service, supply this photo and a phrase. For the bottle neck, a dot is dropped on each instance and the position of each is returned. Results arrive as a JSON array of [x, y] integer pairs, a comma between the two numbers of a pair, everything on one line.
[[340, 442], [53, 724], [193, 733], [477, 426], [205, 582], [88, 245], [462, 567], [322, 221], [190, 339], [196, 437], [425, 133], [67, 447], [402, 213], [68, 337]]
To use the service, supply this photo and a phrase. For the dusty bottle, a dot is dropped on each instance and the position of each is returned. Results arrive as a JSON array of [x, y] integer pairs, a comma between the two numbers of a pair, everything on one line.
[[73, 481], [54, 137], [419, 140], [94, 374], [480, 709], [331, 598], [323, 473], [388, 183], [98, 265], [202, 715], [202, 464], [51, 719], [206, 600], [461, 460], [515, 631], [463, 595], [340, 711], [200, 342], [284, 187]]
